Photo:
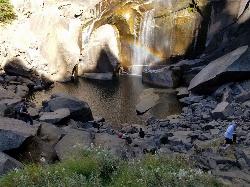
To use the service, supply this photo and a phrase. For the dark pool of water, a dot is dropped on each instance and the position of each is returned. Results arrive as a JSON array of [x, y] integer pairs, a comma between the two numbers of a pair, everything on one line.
[[114, 100]]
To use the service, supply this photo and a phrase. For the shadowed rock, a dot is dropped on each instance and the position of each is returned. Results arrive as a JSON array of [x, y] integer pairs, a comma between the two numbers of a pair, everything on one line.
[[14, 132], [231, 67], [7, 164], [79, 110], [16, 67], [163, 77]]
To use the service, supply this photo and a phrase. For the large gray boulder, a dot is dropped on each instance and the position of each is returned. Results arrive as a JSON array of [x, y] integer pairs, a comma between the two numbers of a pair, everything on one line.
[[233, 66], [36, 150], [7, 164], [109, 142], [79, 110], [14, 132], [163, 77], [73, 142], [56, 116]]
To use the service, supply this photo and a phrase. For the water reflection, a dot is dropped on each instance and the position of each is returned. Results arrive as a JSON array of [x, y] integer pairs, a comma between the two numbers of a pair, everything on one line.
[[114, 100]]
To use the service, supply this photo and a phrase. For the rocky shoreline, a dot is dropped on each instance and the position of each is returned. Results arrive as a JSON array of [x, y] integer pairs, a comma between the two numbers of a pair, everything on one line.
[[65, 124]]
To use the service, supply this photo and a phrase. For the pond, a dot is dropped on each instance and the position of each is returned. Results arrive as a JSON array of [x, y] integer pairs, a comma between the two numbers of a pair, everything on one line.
[[114, 100]]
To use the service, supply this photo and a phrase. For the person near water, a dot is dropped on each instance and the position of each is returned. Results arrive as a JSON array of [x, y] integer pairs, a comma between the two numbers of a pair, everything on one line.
[[24, 114], [230, 134], [127, 138], [74, 74], [141, 133]]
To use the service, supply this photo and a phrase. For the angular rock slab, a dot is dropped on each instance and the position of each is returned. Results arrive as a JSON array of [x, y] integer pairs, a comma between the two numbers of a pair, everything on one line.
[[231, 67], [222, 110], [148, 99], [56, 116], [79, 110], [7, 164], [14, 132], [158, 102]]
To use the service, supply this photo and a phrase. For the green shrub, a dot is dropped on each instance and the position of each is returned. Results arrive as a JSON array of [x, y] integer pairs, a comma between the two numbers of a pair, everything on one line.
[[101, 168], [6, 11], [160, 171]]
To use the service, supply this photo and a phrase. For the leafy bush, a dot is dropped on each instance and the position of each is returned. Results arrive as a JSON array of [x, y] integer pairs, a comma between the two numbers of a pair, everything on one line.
[[6, 11], [101, 168]]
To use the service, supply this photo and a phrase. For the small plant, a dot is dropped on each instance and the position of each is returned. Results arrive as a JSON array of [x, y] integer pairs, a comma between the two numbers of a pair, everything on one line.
[[6, 12], [191, 9]]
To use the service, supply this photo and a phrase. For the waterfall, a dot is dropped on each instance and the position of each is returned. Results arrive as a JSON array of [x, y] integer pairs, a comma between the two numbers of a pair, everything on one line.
[[87, 33], [144, 43]]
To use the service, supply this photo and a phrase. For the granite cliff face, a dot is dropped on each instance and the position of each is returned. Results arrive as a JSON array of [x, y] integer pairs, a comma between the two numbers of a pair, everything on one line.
[[150, 32], [51, 36]]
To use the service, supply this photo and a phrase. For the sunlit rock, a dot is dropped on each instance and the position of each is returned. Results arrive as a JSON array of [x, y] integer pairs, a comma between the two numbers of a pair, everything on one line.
[[102, 54], [49, 36]]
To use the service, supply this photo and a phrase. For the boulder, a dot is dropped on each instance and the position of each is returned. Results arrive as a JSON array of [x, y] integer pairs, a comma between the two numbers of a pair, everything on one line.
[[243, 97], [158, 102], [50, 133], [110, 142], [16, 67], [246, 104], [163, 77], [14, 132], [7, 164], [55, 117], [222, 110], [8, 107], [210, 125], [191, 99], [79, 110], [148, 99], [73, 142], [233, 66], [182, 92], [180, 138], [6, 94], [36, 150], [22, 90], [34, 112]]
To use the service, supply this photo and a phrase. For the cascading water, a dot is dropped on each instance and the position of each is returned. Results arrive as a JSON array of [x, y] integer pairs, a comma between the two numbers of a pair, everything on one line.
[[87, 33], [144, 43]]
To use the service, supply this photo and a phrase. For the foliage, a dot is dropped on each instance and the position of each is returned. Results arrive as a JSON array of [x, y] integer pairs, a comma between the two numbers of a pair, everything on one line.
[[101, 168], [6, 11]]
